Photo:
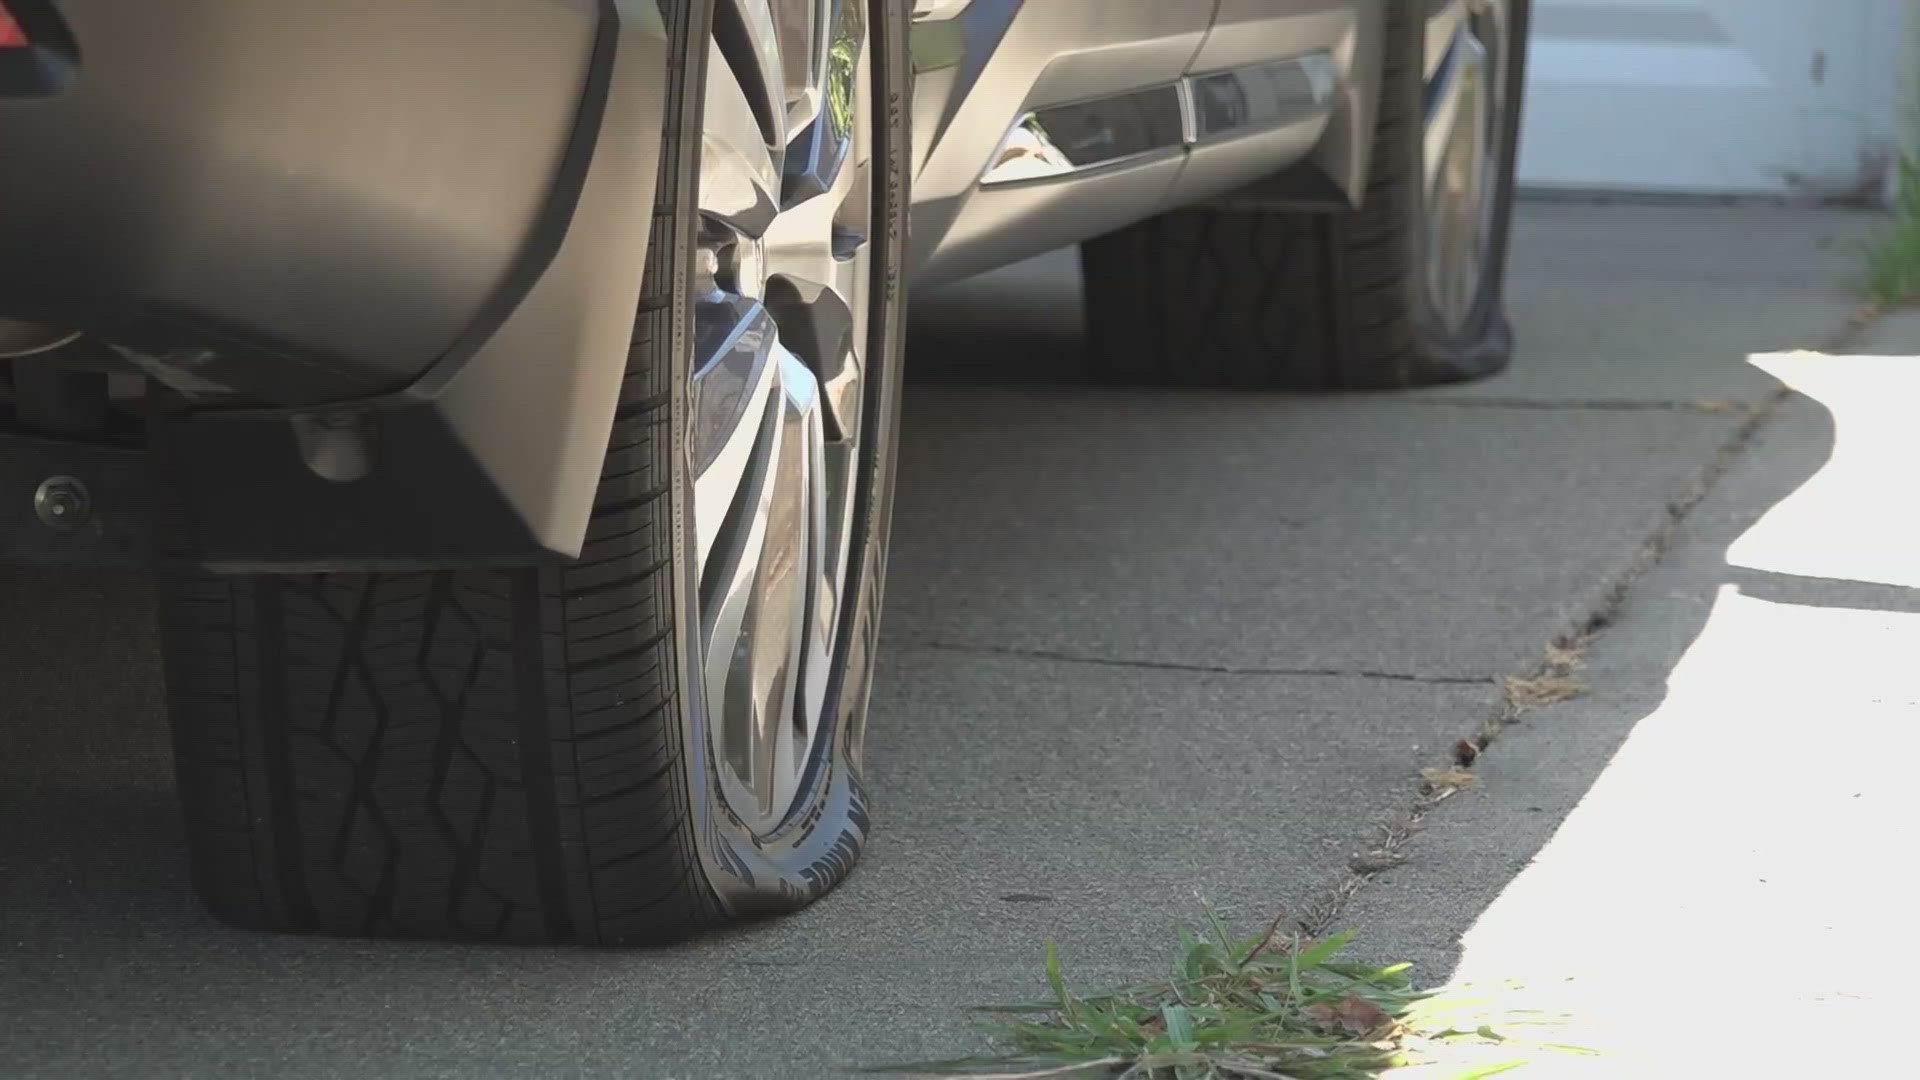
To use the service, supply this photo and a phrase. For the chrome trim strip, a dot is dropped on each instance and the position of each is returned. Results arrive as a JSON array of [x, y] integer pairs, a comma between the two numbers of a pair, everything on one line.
[[1189, 115], [1262, 96], [938, 10], [1061, 140]]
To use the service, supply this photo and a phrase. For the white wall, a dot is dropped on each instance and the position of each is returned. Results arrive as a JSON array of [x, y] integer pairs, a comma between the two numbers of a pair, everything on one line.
[[1748, 97]]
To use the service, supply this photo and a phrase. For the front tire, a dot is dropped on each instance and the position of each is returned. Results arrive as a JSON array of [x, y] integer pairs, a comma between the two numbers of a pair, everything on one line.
[[543, 755], [1404, 291]]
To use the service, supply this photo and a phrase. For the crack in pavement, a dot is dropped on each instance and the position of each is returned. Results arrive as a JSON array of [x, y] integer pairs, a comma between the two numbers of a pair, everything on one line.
[[1208, 669], [1399, 828], [1777, 587], [1702, 407]]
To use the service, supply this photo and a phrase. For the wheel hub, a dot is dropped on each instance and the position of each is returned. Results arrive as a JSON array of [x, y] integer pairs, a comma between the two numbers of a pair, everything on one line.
[[739, 266]]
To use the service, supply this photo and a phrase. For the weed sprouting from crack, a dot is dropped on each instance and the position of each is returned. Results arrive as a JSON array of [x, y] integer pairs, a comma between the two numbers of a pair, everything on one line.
[[1281, 1005], [1275, 1005], [1548, 681], [1890, 260]]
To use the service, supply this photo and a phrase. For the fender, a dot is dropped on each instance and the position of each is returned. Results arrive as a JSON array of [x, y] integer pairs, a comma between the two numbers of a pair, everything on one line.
[[492, 455]]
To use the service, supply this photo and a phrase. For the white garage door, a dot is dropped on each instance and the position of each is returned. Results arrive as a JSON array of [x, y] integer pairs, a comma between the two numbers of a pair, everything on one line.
[[1782, 97]]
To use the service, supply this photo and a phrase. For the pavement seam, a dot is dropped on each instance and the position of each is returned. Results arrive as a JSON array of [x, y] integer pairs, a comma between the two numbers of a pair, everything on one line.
[[1701, 407], [1780, 587], [1558, 659], [1011, 652]]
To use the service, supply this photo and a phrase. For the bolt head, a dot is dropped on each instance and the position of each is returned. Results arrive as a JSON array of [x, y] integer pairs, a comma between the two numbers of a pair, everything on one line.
[[62, 502]]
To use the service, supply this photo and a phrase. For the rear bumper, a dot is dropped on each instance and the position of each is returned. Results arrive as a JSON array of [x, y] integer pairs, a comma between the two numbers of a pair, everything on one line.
[[423, 223]]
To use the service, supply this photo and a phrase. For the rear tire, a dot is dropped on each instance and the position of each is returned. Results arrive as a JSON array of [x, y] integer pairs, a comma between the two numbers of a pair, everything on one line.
[[1240, 294], [516, 754]]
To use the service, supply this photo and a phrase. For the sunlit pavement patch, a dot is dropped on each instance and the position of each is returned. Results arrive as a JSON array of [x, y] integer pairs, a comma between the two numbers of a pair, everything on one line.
[[1858, 518], [1733, 895]]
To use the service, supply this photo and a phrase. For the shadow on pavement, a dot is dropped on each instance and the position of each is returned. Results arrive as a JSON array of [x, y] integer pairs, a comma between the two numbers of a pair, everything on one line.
[[89, 830], [1137, 646], [88, 817], [1717, 832], [1015, 327], [1693, 866]]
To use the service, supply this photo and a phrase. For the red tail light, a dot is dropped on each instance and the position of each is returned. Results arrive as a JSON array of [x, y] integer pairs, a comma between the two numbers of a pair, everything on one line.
[[38, 56], [11, 36]]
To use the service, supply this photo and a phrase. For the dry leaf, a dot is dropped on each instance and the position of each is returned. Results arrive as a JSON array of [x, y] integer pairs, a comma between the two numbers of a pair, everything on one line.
[[1438, 783], [1465, 752], [1566, 656], [1402, 823], [1355, 1015], [1372, 862], [1526, 695], [1490, 729]]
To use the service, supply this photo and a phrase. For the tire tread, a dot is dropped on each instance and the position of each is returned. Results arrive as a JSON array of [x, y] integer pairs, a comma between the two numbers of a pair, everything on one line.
[[468, 754], [1253, 296]]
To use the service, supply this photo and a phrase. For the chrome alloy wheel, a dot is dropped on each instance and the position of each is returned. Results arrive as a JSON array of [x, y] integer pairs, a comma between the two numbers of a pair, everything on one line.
[[781, 286], [1468, 54]]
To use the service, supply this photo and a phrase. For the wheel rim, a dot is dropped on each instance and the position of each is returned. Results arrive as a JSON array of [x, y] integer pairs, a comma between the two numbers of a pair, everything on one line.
[[1466, 109], [776, 432]]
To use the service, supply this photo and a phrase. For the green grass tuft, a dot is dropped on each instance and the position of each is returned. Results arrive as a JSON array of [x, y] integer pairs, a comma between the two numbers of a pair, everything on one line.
[[1268, 1007], [1890, 262]]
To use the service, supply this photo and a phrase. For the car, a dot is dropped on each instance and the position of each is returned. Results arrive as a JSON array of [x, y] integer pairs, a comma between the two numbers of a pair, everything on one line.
[[503, 394]]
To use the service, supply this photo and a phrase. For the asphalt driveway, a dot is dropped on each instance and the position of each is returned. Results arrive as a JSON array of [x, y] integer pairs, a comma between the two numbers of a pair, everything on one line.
[[1140, 648]]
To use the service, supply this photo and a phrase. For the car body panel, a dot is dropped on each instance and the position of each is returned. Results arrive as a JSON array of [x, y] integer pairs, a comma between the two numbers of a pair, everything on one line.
[[493, 455], [432, 261], [1247, 33], [1042, 54], [472, 323], [207, 139], [984, 65]]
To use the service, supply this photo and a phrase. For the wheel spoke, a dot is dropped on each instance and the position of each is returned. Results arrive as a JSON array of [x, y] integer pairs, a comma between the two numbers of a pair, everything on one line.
[[821, 240], [824, 117], [761, 575], [1444, 21], [748, 32], [1491, 27], [1460, 173], [726, 599], [818, 327], [739, 179], [803, 54], [814, 620], [735, 342], [1451, 99], [746, 668]]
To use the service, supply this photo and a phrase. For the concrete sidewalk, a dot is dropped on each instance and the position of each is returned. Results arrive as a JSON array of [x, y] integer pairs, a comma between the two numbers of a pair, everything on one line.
[[1703, 866], [1140, 647]]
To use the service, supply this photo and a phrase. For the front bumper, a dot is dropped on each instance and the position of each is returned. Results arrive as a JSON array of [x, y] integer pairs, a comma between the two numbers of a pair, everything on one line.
[[422, 224]]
